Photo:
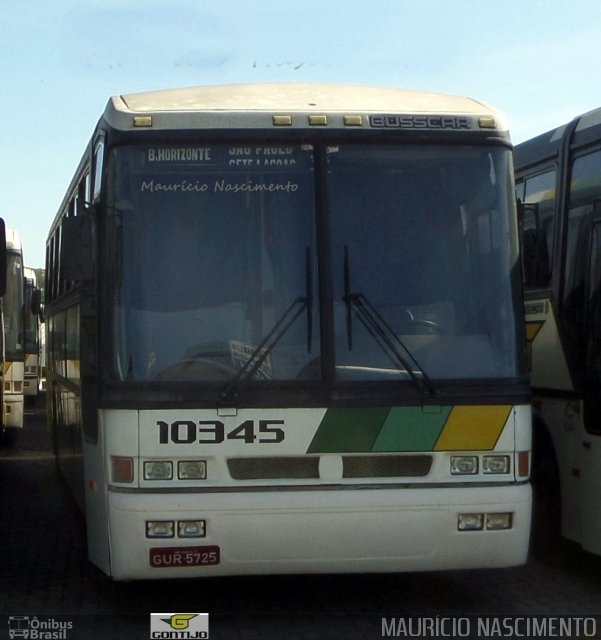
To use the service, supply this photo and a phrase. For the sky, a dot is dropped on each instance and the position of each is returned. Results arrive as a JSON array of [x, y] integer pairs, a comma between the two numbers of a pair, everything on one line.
[[60, 61]]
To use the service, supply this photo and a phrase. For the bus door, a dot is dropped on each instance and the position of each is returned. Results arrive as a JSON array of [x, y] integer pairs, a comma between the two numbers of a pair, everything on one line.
[[591, 443]]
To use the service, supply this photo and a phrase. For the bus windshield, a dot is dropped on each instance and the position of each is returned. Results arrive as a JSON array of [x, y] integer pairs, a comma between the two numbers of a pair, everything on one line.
[[422, 234], [213, 262], [13, 306]]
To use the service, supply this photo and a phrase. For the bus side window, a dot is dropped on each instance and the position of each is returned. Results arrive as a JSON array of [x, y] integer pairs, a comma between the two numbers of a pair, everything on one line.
[[2, 257], [538, 227], [97, 168], [582, 214], [592, 395]]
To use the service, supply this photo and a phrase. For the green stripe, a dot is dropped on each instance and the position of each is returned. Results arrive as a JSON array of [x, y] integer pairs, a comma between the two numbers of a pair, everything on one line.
[[348, 430], [379, 429], [411, 429]]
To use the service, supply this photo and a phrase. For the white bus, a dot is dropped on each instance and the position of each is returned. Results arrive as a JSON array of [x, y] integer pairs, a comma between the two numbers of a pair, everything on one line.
[[31, 385], [14, 338], [3, 265], [285, 334], [559, 182]]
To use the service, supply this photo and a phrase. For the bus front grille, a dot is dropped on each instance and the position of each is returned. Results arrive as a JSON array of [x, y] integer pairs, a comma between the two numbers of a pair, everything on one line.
[[308, 467]]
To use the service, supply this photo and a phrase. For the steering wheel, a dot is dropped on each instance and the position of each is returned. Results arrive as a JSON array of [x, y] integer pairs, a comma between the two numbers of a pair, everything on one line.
[[429, 326], [197, 369]]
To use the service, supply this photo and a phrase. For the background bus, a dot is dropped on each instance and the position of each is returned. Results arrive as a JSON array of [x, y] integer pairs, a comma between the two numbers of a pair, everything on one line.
[[31, 385], [2, 362], [2, 292], [14, 338], [338, 382], [558, 177]]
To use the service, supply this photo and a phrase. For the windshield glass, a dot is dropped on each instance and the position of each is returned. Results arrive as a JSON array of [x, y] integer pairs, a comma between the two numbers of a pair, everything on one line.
[[13, 306], [421, 238], [212, 246], [212, 255]]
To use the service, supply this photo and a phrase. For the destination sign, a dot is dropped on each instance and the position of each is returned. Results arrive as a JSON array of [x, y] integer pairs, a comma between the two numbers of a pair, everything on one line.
[[237, 156], [231, 169]]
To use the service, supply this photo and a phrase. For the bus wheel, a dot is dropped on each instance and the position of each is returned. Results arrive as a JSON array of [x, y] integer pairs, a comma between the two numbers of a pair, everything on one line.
[[10, 437]]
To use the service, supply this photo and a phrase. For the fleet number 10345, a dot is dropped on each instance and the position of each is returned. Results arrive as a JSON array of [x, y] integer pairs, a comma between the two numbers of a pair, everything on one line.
[[215, 432]]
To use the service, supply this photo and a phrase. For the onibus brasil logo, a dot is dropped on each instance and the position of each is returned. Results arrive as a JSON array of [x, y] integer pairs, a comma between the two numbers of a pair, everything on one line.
[[34, 628], [179, 626]]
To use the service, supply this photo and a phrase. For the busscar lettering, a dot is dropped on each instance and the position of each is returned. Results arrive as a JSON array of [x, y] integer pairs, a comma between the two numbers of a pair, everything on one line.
[[420, 122]]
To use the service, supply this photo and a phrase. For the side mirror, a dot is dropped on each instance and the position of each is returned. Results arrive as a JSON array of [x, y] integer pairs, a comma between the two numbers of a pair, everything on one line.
[[535, 258], [77, 247], [36, 302], [528, 215], [536, 266]]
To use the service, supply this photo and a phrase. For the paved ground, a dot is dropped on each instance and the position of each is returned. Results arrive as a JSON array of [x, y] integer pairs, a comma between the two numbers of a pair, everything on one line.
[[45, 573]]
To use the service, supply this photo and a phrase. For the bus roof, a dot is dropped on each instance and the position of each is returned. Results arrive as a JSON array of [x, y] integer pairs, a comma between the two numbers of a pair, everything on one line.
[[13, 240], [546, 146], [30, 273], [293, 98]]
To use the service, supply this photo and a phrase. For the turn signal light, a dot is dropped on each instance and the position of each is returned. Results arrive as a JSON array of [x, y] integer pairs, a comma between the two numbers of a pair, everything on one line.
[[122, 469]]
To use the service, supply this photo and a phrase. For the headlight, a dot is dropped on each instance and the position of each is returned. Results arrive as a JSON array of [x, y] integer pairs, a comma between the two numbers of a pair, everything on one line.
[[470, 521], [192, 470], [495, 464], [158, 470], [160, 529], [191, 528], [497, 521], [464, 465]]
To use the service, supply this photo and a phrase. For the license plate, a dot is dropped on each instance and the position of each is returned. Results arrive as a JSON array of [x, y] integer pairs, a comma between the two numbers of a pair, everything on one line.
[[169, 557]]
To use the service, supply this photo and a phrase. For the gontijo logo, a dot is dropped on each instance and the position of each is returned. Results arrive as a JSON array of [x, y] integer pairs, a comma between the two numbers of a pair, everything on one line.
[[179, 626]]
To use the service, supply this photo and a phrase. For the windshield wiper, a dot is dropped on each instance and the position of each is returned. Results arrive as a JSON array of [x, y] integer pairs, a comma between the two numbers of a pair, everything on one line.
[[382, 333], [279, 329]]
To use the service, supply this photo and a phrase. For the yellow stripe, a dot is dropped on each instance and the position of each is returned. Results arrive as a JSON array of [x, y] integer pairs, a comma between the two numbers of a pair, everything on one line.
[[532, 329], [473, 428]]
